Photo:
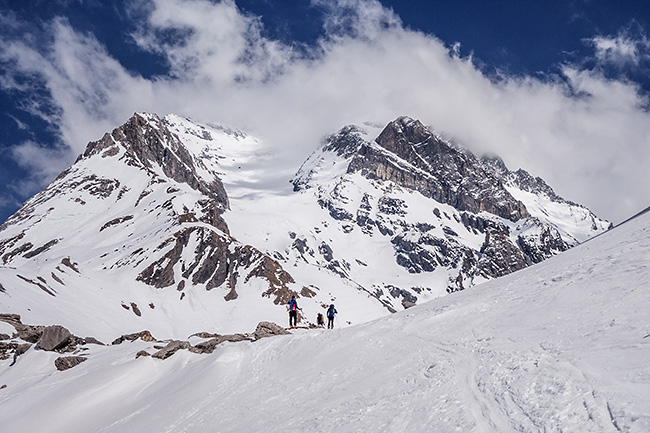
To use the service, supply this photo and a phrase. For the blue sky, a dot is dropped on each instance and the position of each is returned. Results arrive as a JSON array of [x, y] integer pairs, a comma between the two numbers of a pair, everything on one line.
[[559, 88]]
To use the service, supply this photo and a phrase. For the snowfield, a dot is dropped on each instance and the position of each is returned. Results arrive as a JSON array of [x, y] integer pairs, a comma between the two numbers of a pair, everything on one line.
[[562, 346]]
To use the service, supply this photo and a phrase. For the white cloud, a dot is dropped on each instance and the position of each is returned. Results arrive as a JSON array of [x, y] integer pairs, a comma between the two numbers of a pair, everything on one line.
[[629, 48], [40, 160], [587, 135], [618, 50], [210, 43], [19, 124]]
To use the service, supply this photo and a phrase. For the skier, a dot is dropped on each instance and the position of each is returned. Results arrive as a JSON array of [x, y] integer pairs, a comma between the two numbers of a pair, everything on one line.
[[293, 312], [319, 319], [331, 311]]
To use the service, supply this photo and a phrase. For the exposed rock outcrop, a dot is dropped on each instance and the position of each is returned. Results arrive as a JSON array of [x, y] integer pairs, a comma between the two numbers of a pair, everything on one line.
[[142, 335], [67, 362], [268, 329], [500, 256], [216, 260]]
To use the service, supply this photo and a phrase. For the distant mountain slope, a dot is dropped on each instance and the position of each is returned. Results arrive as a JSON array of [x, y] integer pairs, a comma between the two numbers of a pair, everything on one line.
[[166, 224]]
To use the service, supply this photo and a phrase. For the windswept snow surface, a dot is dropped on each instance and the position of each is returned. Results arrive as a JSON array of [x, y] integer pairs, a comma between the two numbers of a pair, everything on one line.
[[563, 346]]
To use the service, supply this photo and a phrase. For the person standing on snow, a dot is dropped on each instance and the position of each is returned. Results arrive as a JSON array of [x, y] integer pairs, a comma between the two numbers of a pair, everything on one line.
[[331, 312], [293, 312]]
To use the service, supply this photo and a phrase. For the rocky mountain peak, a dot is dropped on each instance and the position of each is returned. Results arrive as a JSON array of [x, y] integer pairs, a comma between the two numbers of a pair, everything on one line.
[[148, 143], [345, 142], [420, 160], [402, 132]]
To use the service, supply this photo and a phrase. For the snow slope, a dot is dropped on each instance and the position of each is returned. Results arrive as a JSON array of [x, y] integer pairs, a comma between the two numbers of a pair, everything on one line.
[[562, 346]]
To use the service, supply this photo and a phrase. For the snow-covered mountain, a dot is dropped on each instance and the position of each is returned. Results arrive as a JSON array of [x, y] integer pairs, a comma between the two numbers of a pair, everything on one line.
[[562, 346], [125, 237], [449, 219], [168, 225]]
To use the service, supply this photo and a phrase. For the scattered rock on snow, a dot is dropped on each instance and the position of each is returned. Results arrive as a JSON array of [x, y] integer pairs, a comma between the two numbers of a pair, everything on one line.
[[171, 348], [142, 353], [22, 348], [143, 335], [210, 345], [66, 362]]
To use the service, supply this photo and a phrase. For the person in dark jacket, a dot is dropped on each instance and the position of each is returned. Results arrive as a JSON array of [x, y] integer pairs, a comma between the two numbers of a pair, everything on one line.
[[331, 312], [293, 312]]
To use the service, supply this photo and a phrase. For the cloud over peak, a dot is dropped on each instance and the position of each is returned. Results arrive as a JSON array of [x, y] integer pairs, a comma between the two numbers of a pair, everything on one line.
[[584, 132]]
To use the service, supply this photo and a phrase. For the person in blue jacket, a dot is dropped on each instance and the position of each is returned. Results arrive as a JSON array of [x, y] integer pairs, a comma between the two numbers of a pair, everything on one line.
[[293, 312], [331, 312]]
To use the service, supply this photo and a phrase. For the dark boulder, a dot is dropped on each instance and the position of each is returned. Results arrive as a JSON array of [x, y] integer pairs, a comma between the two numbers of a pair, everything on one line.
[[92, 340], [407, 304], [268, 329], [142, 353], [30, 333], [54, 337]]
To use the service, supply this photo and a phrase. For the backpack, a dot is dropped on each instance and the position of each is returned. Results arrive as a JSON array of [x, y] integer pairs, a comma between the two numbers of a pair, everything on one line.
[[292, 305], [331, 311]]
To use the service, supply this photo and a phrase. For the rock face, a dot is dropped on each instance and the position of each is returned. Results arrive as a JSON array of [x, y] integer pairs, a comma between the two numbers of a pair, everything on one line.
[[499, 256], [216, 260], [429, 165]]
